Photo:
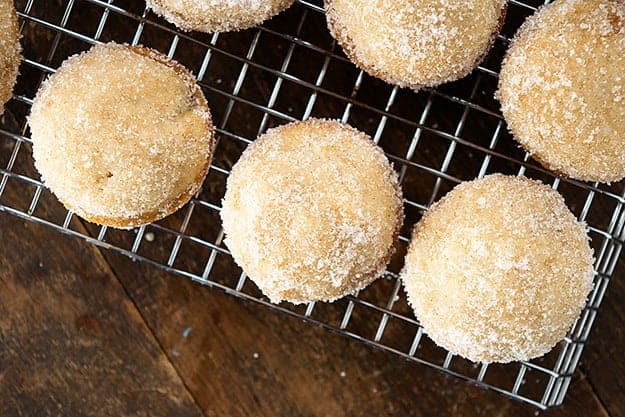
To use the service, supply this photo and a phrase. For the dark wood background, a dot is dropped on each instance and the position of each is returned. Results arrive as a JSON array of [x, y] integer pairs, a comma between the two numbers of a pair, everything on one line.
[[88, 332]]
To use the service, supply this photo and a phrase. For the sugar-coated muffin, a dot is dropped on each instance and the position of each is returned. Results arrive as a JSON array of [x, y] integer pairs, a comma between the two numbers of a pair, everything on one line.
[[122, 135], [562, 88], [217, 15], [10, 50], [498, 270], [312, 211], [416, 43]]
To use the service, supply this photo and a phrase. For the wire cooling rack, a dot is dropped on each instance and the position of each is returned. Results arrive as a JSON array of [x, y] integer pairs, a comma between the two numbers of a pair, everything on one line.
[[288, 69]]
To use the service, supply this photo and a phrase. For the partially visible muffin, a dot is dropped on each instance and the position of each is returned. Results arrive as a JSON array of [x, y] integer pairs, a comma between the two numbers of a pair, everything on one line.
[[562, 88], [121, 135], [416, 43], [10, 51], [312, 211], [217, 15], [498, 270]]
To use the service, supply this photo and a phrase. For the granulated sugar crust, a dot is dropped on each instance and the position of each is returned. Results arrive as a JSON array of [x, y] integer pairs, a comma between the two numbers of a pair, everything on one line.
[[121, 135], [10, 50], [312, 211], [562, 88], [416, 43], [217, 15], [498, 270]]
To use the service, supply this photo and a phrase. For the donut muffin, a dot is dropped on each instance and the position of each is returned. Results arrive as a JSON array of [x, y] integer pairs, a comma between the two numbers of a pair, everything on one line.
[[217, 15], [416, 43], [121, 135], [312, 211], [498, 270], [9, 51], [562, 88]]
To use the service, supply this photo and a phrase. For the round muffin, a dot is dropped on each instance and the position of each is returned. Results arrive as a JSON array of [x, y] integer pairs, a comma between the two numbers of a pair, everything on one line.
[[562, 88], [498, 270], [217, 15], [416, 43], [9, 50], [121, 135], [312, 211]]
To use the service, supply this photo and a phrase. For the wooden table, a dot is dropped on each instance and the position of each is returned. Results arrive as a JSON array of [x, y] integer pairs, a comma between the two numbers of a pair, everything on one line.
[[85, 332], [88, 332]]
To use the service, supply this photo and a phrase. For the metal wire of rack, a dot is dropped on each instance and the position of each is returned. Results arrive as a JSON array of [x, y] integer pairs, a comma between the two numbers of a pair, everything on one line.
[[290, 69]]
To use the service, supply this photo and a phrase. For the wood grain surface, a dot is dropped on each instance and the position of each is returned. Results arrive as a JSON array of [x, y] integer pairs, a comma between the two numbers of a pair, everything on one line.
[[71, 341], [74, 343]]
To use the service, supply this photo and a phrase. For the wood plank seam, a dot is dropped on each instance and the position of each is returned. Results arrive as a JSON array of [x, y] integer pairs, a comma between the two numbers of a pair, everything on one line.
[[111, 270]]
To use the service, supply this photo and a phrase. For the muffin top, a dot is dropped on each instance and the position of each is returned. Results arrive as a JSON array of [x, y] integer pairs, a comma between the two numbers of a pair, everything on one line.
[[419, 42], [562, 88], [9, 50], [499, 269], [121, 135], [312, 211]]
